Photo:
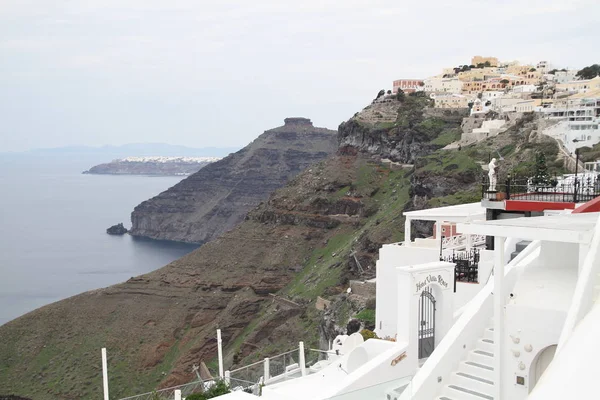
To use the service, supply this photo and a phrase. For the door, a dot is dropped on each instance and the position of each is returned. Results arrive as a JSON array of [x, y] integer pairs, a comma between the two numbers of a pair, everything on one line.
[[539, 365], [426, 323]]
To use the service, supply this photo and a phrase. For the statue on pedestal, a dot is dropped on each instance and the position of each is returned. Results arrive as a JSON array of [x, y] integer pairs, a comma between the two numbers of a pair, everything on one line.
[[492, 175]]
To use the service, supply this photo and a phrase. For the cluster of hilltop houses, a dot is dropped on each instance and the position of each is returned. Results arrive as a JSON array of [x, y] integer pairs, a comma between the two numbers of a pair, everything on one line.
[[572, 105]]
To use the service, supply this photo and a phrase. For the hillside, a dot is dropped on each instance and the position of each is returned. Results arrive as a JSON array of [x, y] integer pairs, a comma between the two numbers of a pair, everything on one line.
[[297, 245], [216, 198]]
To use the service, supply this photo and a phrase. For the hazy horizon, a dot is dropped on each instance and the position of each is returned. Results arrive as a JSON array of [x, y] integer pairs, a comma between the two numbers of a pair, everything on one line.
[[219, 73]]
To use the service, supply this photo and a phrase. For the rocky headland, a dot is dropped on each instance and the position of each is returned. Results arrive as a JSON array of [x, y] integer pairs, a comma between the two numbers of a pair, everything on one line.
[[217, 198], [117, 229], [260, 282], [152, 166]]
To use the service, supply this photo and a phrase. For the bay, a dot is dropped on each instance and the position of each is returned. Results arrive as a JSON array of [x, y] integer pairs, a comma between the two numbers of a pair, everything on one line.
[[53, 220]]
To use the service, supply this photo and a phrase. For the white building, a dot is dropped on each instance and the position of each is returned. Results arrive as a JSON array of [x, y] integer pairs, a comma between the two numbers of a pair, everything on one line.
[[524, 89], [578, 120], [565, 76]]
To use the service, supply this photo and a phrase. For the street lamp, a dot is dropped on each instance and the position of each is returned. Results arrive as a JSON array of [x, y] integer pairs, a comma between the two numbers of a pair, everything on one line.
[[576, 165]]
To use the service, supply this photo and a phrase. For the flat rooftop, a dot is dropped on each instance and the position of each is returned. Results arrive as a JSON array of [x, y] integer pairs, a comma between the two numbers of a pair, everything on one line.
[[458, 213], [567, 228]]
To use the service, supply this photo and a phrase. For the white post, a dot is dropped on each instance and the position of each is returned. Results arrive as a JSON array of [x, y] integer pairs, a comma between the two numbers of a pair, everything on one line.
[[438, 233], [469, 242], [220, 350], [498, 313], [407, 231], [177, 394], [301, 359], [104, 373], [266, 370], [228, 377]]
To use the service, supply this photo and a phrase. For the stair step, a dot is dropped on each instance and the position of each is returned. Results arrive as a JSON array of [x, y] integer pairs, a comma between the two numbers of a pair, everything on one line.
[[485, 353], [521, 245], [485, 345], [513, 255], [472, 382], [467, 394], [473, 368], [479, 358], [488, 333]]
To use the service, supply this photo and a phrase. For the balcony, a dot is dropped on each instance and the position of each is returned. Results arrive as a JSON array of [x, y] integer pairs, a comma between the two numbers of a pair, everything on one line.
[[566, 189]]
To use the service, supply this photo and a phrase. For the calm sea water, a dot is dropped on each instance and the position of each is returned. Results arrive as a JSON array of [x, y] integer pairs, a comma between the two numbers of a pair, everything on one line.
[[53, 241]]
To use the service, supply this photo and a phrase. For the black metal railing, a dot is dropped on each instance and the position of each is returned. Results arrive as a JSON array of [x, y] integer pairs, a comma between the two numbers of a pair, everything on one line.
[[568, 189], [466, 265]]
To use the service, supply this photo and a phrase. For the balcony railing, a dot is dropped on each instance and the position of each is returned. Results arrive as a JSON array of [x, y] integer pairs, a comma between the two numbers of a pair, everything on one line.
[[467, 265], [563, 189]]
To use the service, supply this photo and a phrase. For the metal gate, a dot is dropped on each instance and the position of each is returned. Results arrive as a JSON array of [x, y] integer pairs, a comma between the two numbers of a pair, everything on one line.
[[426, 323]]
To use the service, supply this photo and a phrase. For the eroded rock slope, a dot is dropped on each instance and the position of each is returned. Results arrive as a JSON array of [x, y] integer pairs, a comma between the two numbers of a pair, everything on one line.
[[216, 198]]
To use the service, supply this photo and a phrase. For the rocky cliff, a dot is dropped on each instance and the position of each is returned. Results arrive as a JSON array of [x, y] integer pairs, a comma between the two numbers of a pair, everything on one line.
[[260, 281], [216, 198]]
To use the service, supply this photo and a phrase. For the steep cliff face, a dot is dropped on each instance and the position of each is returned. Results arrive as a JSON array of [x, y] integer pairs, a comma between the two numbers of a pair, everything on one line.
[[216, 198], [401, 136]]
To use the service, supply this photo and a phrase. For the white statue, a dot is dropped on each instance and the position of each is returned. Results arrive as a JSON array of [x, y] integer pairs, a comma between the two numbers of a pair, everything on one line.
[[492, 175]]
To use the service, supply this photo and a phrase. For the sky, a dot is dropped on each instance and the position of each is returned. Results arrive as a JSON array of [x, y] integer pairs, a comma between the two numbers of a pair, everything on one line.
[[219, 73]]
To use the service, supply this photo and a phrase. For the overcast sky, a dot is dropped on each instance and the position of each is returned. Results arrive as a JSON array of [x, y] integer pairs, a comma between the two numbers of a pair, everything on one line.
[[219, 73]]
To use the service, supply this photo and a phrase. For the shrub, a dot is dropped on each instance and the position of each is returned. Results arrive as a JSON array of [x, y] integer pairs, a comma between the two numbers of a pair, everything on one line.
[[367, 334], [219, 388], [367, 317]]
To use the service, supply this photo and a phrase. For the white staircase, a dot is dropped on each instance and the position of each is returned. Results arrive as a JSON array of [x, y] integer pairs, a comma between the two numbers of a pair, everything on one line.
[[474, 378]]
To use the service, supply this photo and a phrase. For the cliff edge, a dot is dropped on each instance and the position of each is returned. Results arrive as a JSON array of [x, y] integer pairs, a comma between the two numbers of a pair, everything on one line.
[[216, 198]]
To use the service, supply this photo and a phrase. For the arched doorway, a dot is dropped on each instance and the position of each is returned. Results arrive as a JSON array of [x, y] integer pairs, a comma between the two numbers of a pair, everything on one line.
[[539, 365], [426, 324]]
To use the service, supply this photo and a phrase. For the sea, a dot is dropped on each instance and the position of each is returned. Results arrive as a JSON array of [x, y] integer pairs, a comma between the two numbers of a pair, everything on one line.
[[53, 221]]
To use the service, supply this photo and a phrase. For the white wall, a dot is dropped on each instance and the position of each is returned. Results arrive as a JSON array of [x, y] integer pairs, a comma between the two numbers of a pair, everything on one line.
[[390, 257], [536, 313]]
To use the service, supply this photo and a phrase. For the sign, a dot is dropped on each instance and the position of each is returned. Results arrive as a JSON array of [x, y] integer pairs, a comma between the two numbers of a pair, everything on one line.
[[440, 277]]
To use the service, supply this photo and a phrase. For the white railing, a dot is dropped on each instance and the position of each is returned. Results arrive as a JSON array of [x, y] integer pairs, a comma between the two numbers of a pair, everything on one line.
[[461, 241], [169, 393], [462, 336], [284, 366]]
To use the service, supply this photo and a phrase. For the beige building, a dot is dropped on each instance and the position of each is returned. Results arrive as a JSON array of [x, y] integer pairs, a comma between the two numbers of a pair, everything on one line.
[[579, 86], [450, 101], [478, 74], [442, 85], [475, 87], [482, 60]]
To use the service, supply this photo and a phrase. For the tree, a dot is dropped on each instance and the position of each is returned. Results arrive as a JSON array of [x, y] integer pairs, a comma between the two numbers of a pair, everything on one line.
[[480, 65], [487, 64], [389, 92], [400, 95], [532, 70], [466, 68], [541, 177], [381, 93], [589, 72], [505, 81]]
